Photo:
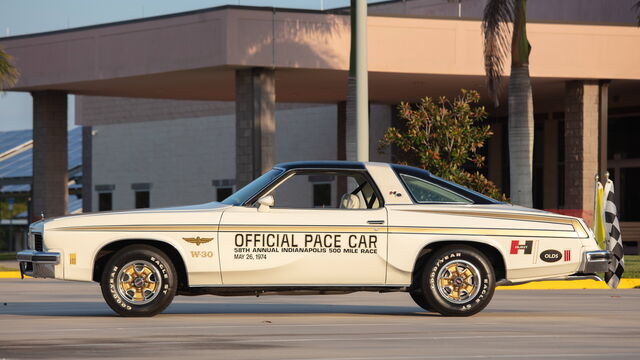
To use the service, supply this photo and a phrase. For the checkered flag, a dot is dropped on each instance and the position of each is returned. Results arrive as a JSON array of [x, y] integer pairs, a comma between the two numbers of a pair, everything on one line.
[[613, 238]]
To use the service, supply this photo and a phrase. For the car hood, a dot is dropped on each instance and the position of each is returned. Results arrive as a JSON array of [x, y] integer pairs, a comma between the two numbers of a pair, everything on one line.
[[208, 213]]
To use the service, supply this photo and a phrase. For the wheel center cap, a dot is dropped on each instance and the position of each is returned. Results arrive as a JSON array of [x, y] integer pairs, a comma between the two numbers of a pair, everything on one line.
[[138, 282], [458, 281]]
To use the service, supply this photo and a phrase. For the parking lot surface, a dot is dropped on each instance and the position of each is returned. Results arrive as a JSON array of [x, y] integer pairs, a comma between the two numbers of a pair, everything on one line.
[[44, 319]]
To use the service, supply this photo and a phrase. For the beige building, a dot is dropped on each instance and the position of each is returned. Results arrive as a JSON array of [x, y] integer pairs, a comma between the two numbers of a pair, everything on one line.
[[183, 152]]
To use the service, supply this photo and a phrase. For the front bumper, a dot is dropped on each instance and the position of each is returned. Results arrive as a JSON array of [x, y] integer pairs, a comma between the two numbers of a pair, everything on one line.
[[595, 261], [38, 264]]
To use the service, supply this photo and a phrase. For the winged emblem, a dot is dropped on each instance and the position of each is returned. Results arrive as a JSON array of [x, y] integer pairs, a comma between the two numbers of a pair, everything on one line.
[[197, 240]]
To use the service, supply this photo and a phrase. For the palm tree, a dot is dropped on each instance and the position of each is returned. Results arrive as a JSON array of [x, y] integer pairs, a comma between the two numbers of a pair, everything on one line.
[[497, 17], [8, 72]]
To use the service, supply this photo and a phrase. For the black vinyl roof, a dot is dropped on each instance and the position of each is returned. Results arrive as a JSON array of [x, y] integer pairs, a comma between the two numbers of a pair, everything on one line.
[[322, 164]]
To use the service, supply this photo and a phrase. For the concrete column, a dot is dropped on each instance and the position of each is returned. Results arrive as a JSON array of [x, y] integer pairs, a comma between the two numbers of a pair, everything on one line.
[[494, 155], [255, 123], [87, 169], [550, 163], [341, 134], [603, 128], [396, 154], [342, 131], [379, 122], [50, 183], [581, 145]]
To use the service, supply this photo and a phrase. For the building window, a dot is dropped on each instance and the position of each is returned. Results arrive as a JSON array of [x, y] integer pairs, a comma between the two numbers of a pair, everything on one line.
[[322, 195], [142, 199], [105, 196], [224, 188], [223, 193], [105, 201]]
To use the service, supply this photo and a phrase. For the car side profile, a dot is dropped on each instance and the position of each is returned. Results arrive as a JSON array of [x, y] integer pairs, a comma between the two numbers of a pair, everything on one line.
[[318, 227]]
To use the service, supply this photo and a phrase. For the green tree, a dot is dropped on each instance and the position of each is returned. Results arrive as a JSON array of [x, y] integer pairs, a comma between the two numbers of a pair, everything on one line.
[[444, 137], [498, 15], [8, 72]]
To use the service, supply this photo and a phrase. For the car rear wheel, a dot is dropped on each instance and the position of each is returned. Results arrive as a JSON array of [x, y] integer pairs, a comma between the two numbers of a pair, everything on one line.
[[458, 280], [139, 280]]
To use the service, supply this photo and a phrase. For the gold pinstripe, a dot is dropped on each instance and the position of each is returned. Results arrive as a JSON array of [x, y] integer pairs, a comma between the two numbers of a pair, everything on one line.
[[176, 228], [487, 232], [332, 228], [577, 227]]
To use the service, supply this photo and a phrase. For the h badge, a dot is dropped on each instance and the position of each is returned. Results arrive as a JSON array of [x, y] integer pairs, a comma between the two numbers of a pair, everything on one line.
[[516, 247]]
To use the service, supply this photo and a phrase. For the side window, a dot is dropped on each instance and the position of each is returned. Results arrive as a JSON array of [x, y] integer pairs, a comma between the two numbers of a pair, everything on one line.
[[426, 192], [334, 190]]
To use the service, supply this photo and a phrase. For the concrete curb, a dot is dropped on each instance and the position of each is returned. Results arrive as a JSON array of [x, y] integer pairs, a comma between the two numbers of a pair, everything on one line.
[[10, 275], [572, 284], [538, 285]]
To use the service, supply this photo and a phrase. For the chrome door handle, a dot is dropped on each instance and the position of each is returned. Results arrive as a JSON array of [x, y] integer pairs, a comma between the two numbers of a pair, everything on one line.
[[375, 222]]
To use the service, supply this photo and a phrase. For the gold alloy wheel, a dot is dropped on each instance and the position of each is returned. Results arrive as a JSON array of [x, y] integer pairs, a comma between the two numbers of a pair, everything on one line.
[[458, 281], [138, 282]]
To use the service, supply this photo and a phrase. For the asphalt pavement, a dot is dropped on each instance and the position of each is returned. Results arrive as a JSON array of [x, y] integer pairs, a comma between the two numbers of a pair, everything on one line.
[[47, 319]]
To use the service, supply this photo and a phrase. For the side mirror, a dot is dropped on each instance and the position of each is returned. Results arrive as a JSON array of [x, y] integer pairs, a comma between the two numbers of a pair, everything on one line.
[[266, 202]]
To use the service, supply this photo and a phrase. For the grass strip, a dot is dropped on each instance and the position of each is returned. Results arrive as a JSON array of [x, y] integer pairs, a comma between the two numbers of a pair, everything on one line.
[[631, 267], [7, 256]]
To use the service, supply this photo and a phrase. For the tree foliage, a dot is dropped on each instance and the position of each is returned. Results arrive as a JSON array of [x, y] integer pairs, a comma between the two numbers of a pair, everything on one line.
[[8, 72], [444, 137]]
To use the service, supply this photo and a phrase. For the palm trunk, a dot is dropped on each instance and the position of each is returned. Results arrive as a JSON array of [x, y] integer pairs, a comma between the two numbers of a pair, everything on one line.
[[520, 112], [521, 136]]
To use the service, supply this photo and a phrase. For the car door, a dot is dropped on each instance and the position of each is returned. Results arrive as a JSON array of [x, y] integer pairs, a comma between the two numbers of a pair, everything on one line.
[[299, 244]]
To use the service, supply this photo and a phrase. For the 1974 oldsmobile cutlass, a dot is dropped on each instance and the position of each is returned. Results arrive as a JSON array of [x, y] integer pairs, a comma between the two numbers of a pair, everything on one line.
[[388, 228]]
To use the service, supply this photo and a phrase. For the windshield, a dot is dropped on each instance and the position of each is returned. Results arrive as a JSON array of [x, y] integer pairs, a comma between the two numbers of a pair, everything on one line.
[[244, 194]]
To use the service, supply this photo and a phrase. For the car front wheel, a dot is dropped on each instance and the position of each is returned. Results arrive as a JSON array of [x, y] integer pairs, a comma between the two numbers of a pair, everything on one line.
[[138, 280], [458, 280], [419, 299]]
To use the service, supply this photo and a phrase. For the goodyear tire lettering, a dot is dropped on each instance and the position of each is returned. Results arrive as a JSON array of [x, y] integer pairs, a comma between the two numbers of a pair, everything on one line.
[[154, 259], [434, 297]]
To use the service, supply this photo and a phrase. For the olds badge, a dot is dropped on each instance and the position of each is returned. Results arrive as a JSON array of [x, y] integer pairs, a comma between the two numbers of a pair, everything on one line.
[[197, 240]]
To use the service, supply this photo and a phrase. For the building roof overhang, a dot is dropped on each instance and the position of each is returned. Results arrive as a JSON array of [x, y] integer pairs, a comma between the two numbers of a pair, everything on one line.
[[194, 55]]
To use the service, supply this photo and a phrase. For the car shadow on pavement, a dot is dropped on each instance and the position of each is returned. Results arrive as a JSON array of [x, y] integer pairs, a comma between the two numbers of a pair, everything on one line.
[[294, 309], [99, 309]]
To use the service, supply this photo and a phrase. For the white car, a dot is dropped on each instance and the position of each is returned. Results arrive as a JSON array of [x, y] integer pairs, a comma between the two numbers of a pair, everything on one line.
[[388, 228]]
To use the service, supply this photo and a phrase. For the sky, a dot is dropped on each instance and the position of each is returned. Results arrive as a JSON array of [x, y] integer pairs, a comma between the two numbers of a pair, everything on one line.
[[19, 17]]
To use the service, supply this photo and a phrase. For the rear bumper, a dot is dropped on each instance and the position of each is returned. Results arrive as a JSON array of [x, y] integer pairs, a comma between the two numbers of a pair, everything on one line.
[[595, 261], [39, 264]]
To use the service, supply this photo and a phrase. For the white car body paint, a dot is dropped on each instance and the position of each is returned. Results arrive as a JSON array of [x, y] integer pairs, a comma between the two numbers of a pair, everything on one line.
[[382, 253]]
